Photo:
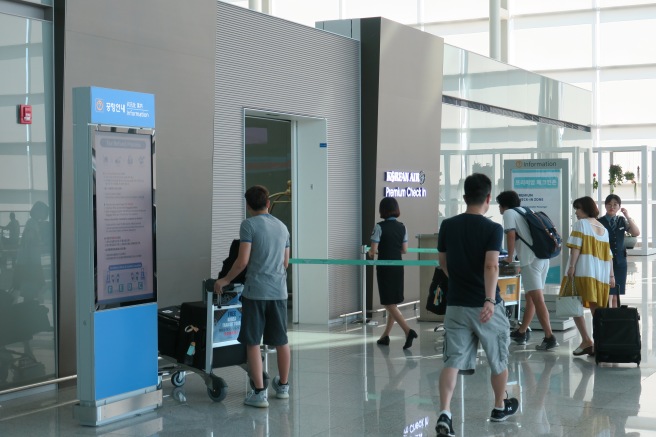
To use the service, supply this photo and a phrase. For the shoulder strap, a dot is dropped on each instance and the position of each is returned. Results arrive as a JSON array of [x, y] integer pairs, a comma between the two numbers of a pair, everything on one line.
[[523, 214], [526, 211]]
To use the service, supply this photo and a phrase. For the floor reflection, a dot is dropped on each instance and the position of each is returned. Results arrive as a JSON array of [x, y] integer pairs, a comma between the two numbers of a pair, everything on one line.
[[344, 384]]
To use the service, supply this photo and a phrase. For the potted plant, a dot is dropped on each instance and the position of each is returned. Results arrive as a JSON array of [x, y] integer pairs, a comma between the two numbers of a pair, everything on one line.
[[595, 182], [630, 176], [615, 176]]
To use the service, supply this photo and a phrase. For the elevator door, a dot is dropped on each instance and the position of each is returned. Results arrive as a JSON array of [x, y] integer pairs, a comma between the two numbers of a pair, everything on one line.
[[268, 159]]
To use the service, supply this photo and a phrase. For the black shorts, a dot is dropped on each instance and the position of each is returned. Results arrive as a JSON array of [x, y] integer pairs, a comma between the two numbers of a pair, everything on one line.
[[263, 318]]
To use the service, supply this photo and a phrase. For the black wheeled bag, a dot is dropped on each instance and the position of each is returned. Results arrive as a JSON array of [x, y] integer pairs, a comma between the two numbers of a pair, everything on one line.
[[194, 314], [168, 326], [616, 333]]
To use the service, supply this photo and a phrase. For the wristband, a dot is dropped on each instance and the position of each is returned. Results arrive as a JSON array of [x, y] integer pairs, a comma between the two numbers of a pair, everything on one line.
[[492, 301]]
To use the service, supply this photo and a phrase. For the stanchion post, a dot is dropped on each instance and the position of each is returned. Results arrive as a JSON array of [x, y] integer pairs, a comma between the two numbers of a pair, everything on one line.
[[364, 320], [364, 286]]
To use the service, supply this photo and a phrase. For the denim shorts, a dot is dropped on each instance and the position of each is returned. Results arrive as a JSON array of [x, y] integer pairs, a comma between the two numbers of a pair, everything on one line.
[[263, 321], [463, 330]]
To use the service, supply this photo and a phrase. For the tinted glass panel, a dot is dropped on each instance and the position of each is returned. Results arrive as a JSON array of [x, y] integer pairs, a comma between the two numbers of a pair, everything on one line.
[[27, 286]]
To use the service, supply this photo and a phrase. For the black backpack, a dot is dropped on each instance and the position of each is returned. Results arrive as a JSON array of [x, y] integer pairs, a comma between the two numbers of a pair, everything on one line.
[[547, 242], [229, 261]]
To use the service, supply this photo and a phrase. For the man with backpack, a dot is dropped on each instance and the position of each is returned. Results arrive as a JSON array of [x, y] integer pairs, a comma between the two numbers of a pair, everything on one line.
[[533, 269]]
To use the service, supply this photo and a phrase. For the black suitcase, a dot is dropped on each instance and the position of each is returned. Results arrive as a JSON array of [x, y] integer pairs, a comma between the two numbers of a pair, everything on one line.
[[195, 314], [168, 325], [616, 333]]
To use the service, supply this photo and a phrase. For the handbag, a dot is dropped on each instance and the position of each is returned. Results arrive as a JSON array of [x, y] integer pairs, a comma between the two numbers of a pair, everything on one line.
[[568, 305], [436, 298]]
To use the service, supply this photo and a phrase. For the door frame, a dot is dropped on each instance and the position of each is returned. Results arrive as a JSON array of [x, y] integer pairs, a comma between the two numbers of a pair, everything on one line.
[[309, 233]]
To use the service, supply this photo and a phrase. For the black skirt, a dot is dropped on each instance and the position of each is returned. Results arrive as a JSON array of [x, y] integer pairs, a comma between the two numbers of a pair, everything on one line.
[[390, 284]]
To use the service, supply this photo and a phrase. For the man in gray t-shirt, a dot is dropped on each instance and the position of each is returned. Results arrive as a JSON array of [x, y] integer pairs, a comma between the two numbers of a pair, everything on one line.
[[267, 277], [264, 249]]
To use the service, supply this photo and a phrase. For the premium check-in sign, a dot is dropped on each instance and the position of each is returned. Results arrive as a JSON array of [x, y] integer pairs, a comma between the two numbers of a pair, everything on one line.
[[406, 177]]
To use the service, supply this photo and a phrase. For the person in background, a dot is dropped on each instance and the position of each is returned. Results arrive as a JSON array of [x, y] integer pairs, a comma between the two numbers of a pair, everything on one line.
[[9, 244], [590, 266], [29, 277], [533, 270], [390, 240], [13, 229], [468, 251], [264, 249], [617, 227]]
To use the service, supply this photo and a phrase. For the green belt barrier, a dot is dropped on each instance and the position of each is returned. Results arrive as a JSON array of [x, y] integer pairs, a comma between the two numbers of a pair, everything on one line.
[[418, 250], [364, 262], [414, 250]]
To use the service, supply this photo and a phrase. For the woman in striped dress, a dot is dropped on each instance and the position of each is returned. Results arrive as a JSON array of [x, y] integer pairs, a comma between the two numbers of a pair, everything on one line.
[[590, 265]]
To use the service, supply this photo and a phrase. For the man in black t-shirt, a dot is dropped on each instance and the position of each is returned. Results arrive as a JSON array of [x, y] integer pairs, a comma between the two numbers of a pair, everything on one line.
[[469, 246]]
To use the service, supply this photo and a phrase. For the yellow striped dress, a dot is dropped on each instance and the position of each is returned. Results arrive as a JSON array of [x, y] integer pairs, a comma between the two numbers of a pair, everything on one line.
[[592, 277]]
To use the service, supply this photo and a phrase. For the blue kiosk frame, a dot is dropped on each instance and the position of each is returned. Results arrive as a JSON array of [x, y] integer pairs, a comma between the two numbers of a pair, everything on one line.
[[116, 297]]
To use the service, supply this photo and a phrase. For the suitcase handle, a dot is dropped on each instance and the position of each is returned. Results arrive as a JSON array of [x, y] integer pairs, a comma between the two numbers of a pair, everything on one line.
[[208, 287]]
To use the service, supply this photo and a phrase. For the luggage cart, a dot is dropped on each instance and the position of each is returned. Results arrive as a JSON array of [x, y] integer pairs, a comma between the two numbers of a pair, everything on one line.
[[217, 354]]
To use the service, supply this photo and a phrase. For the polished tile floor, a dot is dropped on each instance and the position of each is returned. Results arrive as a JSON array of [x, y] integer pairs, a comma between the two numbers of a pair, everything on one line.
[[343, 384]]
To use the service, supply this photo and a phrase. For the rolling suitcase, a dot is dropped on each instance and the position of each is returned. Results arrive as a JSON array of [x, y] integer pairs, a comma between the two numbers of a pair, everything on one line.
[[198, 338], [168, 325], [195, 314], [616, 333]]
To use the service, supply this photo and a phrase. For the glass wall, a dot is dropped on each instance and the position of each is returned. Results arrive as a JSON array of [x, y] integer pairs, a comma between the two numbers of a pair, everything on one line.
[[494, 112], [478, 141], [598, 45], [27, 285], [605, 54]]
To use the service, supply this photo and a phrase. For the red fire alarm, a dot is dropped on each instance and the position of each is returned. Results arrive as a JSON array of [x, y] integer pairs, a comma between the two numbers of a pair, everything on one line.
[[25, 114]]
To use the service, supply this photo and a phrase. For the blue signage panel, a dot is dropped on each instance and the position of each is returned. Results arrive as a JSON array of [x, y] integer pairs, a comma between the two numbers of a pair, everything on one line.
[[122, 108], [540, 189], [125, 350]]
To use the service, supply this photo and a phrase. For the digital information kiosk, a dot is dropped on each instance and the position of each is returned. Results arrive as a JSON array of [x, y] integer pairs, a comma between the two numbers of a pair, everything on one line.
[[543, 184], [116, 287]]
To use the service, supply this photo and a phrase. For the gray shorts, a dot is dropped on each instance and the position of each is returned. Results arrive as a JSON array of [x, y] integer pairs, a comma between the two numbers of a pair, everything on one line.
[[263, 318], [534, 275], [462, 332]]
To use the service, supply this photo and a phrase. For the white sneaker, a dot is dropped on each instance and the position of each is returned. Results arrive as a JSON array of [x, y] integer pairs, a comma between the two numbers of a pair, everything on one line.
[[257, 399], [282, 391]]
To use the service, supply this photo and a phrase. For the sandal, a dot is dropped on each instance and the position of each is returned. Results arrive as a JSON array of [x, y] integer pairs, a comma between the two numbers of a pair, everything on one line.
[[583, 351]]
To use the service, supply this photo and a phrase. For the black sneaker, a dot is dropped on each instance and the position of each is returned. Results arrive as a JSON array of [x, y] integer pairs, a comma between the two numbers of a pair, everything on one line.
[[520, 338], [547, 344], [509, 408], [443, 427]]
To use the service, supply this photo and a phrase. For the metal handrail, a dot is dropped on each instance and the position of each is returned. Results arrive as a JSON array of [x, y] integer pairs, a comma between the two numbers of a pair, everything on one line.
[[38, 384]]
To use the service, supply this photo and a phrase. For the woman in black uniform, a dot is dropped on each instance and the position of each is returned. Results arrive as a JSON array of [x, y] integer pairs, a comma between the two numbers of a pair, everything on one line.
[[390, 240], [617, 226]]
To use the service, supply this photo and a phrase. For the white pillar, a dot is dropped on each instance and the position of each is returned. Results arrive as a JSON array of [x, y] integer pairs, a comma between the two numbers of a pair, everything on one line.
[[255, 5], [495, 29]]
